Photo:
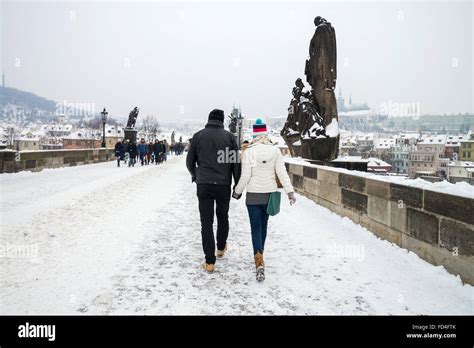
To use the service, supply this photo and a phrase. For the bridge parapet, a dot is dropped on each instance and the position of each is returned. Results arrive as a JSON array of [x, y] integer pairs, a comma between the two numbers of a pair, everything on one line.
[[12, 161], [437, 226]]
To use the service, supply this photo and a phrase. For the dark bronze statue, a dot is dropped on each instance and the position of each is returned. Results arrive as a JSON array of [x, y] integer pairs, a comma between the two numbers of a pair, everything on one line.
[[306, 130], [132, 117], [233, 124]]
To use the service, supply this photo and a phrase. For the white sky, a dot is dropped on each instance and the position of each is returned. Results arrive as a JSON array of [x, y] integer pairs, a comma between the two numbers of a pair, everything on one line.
[[182, 59]]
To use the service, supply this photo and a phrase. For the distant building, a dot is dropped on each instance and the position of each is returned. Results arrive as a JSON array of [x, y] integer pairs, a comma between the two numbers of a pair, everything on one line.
[[57, 129], [461, 171], [382, 147], [51, 144], [342, 107], [356, 144], [27, 141], [82, 140], [452, 146], [466, 149], [428, 158], [374, 165], [400, 152], [430, 123], [112, 135], [377, 166]]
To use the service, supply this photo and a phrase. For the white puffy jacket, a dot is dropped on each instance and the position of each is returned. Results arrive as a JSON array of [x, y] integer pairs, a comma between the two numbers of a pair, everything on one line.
[[260, 162]]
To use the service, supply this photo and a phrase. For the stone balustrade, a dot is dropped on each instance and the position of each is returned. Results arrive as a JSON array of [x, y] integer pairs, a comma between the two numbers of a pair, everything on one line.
[[12, 161], [438, 227]]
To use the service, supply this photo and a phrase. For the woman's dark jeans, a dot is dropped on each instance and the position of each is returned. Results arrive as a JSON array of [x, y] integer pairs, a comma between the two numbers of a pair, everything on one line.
[[258, 223]]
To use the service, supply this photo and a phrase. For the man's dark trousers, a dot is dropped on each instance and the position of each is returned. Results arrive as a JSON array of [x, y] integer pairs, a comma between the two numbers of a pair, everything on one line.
[[207, 195]]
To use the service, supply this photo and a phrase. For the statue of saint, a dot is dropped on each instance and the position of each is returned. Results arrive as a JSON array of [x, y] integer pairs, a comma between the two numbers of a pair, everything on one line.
[[311, 111], [132, 117], [233, 124]]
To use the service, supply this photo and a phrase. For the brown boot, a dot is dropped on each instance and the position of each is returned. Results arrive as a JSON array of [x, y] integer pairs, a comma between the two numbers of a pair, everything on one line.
[[259, 259], [221, 253], [208, 267], [259, 266]]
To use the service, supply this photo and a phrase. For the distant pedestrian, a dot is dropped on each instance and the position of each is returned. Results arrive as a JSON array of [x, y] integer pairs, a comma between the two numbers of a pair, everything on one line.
[[165, 150], [125, 152], [149, 154], [118, 152], [156, 151], [132, 150], [142, 150]]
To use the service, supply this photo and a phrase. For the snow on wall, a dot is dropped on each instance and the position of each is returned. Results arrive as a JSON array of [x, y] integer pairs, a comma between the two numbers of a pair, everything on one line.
[[459, 189]]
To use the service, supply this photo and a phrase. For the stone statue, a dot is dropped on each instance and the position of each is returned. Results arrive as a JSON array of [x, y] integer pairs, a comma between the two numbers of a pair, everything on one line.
[[233, 124], [311, 130], [132, 117]]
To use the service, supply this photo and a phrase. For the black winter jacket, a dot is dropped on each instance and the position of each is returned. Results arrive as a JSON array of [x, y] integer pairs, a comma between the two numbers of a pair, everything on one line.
[[132, 149], [118, 149], [211, 150]]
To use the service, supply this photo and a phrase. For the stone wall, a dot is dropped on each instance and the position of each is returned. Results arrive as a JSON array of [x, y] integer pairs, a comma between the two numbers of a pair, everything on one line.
[[11, 161], [438, 227]]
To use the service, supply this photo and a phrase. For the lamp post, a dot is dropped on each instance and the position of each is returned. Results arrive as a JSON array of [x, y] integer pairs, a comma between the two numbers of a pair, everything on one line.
[[240, 120], [104, 114]]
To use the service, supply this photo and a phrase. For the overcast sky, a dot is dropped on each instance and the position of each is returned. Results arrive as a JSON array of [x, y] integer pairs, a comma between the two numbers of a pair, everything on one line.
[[182, 59]]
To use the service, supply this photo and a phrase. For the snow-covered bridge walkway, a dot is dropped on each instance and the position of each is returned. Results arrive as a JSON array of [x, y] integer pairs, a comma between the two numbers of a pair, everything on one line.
[[127, 241]]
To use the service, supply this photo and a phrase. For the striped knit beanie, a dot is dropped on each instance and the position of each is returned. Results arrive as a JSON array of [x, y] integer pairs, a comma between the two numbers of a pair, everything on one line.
[[259, 128]]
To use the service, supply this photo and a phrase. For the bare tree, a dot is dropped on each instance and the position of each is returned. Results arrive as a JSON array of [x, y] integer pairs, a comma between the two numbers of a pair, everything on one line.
[[151, 127]]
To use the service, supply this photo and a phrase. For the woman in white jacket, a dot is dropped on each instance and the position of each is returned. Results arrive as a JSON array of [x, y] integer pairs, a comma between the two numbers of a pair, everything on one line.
[[262, 162]]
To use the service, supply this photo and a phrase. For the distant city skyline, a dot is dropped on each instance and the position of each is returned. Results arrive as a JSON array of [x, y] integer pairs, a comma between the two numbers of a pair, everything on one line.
[[183, 59]]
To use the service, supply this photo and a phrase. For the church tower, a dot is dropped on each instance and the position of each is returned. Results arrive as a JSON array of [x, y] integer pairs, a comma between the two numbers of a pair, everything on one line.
[[340, 102]]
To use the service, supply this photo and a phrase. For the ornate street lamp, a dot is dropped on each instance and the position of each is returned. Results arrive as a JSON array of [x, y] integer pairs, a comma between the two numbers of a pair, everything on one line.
[[104, 114]]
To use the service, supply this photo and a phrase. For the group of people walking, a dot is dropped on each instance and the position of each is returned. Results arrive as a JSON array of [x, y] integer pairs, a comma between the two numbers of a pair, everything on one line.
[[147, 153], [259, 168]]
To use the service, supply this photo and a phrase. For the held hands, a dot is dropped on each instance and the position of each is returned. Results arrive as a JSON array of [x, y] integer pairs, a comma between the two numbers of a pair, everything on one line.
[[292, 198], [236, 196]]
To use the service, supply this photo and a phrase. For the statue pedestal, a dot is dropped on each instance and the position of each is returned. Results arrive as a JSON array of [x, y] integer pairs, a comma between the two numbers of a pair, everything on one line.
[[323, 149], [130, 134]]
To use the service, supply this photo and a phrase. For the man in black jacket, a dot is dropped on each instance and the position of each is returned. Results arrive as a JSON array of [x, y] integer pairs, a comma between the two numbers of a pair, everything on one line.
[[157, 151], [215, 152], [118, 152]]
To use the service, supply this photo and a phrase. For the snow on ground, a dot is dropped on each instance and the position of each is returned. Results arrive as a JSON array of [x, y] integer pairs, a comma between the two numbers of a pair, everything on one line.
[[459, 189], [127, 241]]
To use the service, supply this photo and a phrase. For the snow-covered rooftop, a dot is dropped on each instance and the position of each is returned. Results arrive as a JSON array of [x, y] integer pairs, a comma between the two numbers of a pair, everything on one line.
[[384, 143], [376, 162], [439, 139]]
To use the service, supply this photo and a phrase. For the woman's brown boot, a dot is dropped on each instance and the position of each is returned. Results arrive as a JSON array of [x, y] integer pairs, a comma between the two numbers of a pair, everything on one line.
[[259, 266]]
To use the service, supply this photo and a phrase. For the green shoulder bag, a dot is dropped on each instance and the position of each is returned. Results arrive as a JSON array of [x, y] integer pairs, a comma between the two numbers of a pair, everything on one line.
[[273, 206]]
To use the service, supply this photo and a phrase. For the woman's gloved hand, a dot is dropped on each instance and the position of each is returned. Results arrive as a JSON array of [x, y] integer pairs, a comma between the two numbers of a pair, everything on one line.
[[292, 198], [236, 196]]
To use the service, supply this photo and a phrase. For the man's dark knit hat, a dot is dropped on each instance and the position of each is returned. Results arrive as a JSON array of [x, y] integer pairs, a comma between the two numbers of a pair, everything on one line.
[[216, 114]]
